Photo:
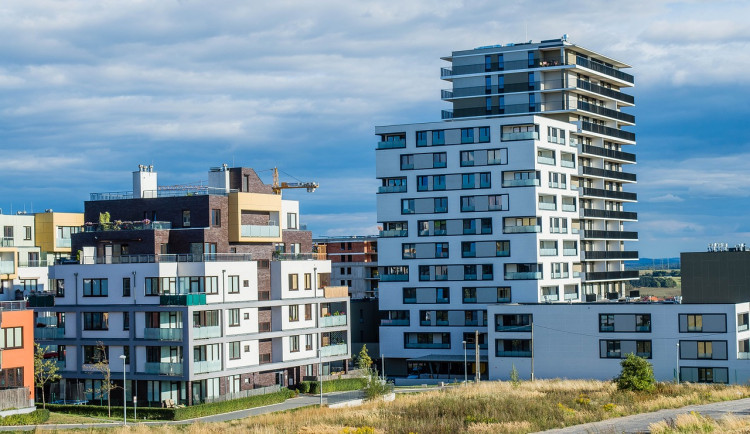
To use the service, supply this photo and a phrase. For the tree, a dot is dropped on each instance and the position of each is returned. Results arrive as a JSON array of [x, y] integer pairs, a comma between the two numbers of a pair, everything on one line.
[[637, 374], [102, 366], [45, 370], [364, 362]]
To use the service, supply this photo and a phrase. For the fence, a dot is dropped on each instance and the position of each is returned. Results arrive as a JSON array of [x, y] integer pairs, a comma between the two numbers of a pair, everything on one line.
[[15, 398], [244, 394]]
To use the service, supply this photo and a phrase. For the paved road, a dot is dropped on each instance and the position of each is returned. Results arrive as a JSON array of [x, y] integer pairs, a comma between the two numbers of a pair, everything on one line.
[[639, 423]]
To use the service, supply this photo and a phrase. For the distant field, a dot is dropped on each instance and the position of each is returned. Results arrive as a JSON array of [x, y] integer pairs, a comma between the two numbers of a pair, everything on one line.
[[660, 292]]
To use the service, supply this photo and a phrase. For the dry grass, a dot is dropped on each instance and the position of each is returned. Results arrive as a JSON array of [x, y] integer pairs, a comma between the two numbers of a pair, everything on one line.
[[491, 407], [696, 423]]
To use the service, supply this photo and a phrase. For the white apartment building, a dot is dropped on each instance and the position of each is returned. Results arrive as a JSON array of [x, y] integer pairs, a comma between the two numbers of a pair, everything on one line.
[[705, 343], [517, 196], [23, 268]]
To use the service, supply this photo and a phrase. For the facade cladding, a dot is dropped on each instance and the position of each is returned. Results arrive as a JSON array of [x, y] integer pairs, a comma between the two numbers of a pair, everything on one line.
[[518, 195], [201, 293]]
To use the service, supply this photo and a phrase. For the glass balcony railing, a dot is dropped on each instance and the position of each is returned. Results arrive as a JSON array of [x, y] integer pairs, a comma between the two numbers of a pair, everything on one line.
[[427, 345], [550, 206], [197, 299], [396, 322], [520, 182], [392, 144], [7, 242], [547, 252], [46, 333], [501, 353], [392, 189], [523, 275], [394, 233], [394, 277], [62, 242], [333, 321], [570, 252], [570, 296], [206, 332], [260, 231], [163, 368], [568, 207], [206, 366], [545, 160], [334, 350], [521, 229], [163, 334], [526, 135]]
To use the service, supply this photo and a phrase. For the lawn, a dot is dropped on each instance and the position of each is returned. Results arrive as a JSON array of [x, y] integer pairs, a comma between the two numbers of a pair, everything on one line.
[[491, 407]]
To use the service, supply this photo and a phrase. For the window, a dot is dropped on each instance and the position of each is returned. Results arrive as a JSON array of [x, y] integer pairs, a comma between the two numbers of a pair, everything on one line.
[[11, 338], [407, 206], [293, 344], [152, 286], [502, 248], [484, 134], [408, 251], [486, 225], [407, 162], [438, 182], [439, 159], [294, 282], [606, 323], [438, 137], [291, 220], [441, 250], [705, 349], [487, 63], [234, 350], [421, 138], [308, 312], [126, 287], [27, 230], [513, 347], [467, 158], [695, 323], [468, 249], [234, 317], [186, 218], [59, 287], [95, 287], [467, 134], [498, 202], [126, 320], [211, 287], [488, 84], [294, 313], [467, 180], [8, 232], [29, 285], [467, 203], [497, 156], [441, 204], [216, 218], [308, 281], [308, 342], [234, 284], [94, 354], [484, 180]]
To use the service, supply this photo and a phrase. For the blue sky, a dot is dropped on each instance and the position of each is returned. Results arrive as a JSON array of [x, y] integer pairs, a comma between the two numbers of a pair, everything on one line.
[[89, 90]]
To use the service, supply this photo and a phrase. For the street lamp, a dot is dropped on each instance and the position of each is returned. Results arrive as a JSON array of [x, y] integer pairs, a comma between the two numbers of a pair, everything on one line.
[[677, 372], [124, 392], [466, 372], [320, 370]]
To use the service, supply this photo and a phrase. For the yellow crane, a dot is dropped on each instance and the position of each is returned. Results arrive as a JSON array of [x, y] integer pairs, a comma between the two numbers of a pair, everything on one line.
[[277, 186]]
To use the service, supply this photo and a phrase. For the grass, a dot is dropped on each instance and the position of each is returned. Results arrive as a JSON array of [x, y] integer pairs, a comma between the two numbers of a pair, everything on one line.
[[490, 407], [64, 418], [694, 422]]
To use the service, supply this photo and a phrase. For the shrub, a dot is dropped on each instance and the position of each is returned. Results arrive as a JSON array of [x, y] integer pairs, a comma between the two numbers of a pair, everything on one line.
[[637, 374], [340, 385], [514, 376], [34, 418], [303, 387], [376, 387]]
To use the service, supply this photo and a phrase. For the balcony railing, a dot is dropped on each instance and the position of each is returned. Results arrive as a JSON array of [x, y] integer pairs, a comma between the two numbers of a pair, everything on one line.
[[260, 231], [545, 160], [394, 277], [513, 327], [392, 144], [392, 189], [426, 345], [520, 182], [127, 226], [501, 353], [608, 153], [394, 233], [315, 256], [607, 70], [196, 299], [523, 275], [570, 296], [601, 213], [41, 299], [521, 229], [180, 257], [610, 255], [13, 305], [62, 242], [570, 252], [610, 194], [568, 207], [206, 332], [586, 85], [611, 235], [172, 191], [46, 333], [333, 321], [334, 350], [7, 267], [163, 368], [527, 135], [33, 263], [206, 366], [163, 334], [608, 131], [396, 322], [570, 164], [611, 275], [595, 171], [743, 356], [549, 206], [547, 252], [625, 117], [7, 242]]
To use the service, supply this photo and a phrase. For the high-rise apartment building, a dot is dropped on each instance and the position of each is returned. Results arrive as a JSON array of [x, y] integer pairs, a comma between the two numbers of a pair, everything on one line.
[[517, 195]]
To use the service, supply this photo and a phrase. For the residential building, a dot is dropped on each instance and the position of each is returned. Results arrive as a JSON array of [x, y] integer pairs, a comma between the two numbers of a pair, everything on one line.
[[16, 358], [516, 196], [354, 263], [206, 291]]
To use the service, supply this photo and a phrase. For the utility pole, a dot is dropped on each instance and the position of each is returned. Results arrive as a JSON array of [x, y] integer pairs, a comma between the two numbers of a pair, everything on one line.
[[476, 356], [532, 350]]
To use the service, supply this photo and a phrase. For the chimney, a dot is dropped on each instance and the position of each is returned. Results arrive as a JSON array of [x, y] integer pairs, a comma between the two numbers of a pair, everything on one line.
[[144, 182]]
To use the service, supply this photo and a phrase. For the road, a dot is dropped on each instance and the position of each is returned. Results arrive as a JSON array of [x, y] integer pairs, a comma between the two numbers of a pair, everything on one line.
[[638, 423]]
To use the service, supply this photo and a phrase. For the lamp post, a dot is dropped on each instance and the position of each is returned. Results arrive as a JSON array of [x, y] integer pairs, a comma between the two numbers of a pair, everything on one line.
[[677, 372], [320, 372], [124, 392], [382, 361], [466, 371]]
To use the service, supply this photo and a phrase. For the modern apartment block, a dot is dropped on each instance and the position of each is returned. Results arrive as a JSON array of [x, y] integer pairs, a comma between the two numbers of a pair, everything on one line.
[[199, 292], [516, 196], [16, 358], [354, 263]]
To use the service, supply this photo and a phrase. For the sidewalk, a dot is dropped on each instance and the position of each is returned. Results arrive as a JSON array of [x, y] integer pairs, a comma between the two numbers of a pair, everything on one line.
[[638, 423]]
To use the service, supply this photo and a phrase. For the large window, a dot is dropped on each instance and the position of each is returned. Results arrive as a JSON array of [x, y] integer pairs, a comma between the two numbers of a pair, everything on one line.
[[11, 338], [95, 288], [95, 321], [11, 378], [233, 284], [94, 354]]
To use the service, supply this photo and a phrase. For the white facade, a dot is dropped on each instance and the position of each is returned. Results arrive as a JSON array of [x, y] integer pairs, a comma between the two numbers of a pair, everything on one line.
[[20, 255], [588, 340]]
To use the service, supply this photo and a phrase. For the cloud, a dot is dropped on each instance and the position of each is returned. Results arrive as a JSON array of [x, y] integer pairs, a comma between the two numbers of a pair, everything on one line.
[[669, 197]]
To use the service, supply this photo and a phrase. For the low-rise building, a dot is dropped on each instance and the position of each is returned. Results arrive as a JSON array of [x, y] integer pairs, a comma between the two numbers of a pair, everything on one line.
[[16, 358]]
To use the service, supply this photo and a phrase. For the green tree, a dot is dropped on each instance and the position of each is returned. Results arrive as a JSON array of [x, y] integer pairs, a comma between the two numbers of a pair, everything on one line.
[[364, 362], [102, 367], [637, 374], [45, 370]]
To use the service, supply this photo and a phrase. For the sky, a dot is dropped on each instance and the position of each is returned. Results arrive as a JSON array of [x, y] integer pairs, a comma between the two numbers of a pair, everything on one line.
[[89, 90]]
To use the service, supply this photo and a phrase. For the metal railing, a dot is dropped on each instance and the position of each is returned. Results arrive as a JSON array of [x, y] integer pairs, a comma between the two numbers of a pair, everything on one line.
[[7, 242], [595, 171], [601, 213], [603, 111], [611, 275], [615, 235], [392, 144], [127, 226], [604, 69], [154, 258], [610, 254], [13, 305], [608, 131], [392, 189], [608, 153], [610, 194], [299, 256], [586, 85]]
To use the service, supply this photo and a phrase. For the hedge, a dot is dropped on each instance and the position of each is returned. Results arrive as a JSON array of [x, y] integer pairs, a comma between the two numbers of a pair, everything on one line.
[[182, 413], [34, 418], [340, 385]]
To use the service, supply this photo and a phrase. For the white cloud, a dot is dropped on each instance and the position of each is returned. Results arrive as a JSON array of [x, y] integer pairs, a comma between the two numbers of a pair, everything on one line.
[[669, 197]]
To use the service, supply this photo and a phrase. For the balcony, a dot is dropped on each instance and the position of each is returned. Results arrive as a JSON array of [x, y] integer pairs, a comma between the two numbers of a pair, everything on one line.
[[613, 174], [611, 235], [206, 332], [589, 255], [513, 327], [611, 275], [570, 296], [523, 275], [205, 366], [171, 369], [446, 114], [394, 277], [568, 207], [260, 231], [427, 345], [7, 242], [394, 233], [41, 299], [743, 356], [127, 226], [163, 334], [315, 256], [603, 111], [608, 131], [547, 252], [197, 299], [591, 87], [334, 350], [570, 164], [548, 206], [609, 194], [7, 267], [521, 183], [606, 70], [397, 322], [570, 252], [526, 135], [392, 189], [521, 229], [172, 192], [501, 353], [392, 144], [167, 258], [333, 321], [63, 243], [47, 333], [608, 153], [545, 160], [618, 215], [48, 321]]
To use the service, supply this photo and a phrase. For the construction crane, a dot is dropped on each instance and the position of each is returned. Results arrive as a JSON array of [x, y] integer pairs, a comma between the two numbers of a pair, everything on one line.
[[277, 186]]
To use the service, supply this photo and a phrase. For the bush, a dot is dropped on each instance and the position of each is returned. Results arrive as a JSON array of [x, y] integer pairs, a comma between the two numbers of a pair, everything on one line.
[[376, 388], [34, 418], [340, 385], [303, 387], [637, 374]]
